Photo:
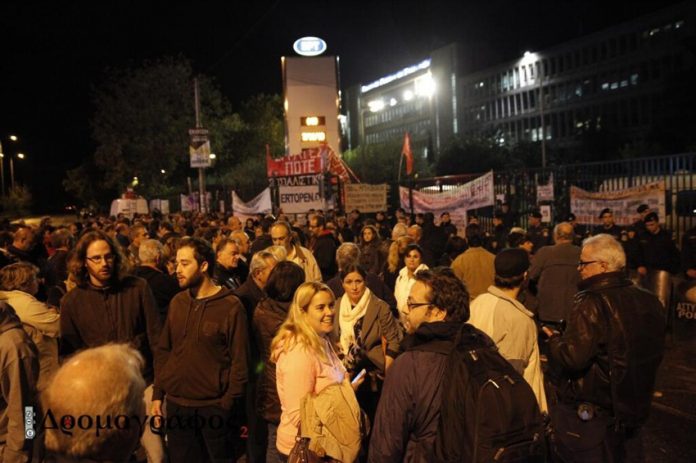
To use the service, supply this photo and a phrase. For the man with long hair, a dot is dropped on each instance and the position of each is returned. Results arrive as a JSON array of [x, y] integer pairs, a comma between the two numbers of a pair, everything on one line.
[[108, 306]]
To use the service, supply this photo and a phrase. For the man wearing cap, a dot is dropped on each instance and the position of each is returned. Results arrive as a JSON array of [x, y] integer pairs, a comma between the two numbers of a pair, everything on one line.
[[657, 249], [608, 226], [538, 234], [496, 241], [642, 211], [501, 316]]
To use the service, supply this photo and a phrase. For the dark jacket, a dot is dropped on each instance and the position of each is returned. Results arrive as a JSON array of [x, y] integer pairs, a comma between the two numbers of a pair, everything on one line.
[[227, 278], [555, 269], [689, 250], [409, 408], [658, 251], [324, 251], [612, 347], [203, 351], [124, 313], [250, 294], [164, 287], [261, 243], [56, 268], [268, 317], [19, 364], [371, 257]]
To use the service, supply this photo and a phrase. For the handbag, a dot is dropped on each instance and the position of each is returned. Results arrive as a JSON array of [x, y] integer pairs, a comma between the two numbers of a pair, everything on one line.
[[301, 453]]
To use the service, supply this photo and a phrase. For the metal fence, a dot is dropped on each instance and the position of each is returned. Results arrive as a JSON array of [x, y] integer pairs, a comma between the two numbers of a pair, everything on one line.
[[519, 186]]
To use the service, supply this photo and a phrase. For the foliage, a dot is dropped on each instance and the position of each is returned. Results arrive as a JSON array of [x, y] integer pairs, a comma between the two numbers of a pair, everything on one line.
[[17, 202], [242, 167], [140, 126]]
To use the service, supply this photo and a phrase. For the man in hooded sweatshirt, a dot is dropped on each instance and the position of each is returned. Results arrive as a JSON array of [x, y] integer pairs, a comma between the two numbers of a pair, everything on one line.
[[203, 368]]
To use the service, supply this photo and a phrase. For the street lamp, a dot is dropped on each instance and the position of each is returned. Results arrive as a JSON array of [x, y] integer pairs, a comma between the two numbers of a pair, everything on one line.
[[20, 156], [13, 138]]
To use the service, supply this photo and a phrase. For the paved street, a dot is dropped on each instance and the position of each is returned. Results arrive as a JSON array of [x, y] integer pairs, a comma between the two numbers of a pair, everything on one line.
[[669, 435]]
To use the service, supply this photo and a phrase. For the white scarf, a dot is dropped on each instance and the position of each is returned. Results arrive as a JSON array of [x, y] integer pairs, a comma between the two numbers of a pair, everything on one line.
[[349, 315]]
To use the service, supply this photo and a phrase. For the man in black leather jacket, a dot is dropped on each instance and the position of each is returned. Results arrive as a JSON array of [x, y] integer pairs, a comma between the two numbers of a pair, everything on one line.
[[609, 355]]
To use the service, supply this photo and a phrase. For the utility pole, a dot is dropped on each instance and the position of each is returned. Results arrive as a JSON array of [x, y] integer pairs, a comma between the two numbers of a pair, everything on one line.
[[541, 111], [201, 174]]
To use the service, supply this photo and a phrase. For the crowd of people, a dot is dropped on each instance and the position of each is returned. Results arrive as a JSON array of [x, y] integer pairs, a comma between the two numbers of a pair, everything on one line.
[[199, 337]]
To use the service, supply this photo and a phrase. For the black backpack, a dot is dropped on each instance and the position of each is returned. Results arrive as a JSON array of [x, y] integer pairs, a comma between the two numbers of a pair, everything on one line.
[[489, 413]]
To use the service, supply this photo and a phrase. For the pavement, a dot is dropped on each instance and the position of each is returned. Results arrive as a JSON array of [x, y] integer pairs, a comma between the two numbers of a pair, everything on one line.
[[669, 436]]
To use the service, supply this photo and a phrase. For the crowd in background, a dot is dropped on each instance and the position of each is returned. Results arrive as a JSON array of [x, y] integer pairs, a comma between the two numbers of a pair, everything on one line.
[[239, 320]]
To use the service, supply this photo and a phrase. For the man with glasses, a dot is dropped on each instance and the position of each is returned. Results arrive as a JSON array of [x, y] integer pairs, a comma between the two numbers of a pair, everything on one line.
[[409, 408], [323, 247], [108, 306], [609, 355], [281, 234]]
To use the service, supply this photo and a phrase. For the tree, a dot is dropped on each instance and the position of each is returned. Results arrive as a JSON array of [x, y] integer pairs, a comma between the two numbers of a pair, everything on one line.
[[140, 126], [17, 202]]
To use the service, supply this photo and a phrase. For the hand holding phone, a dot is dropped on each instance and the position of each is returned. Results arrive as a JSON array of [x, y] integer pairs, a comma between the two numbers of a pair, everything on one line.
[[359, 376]]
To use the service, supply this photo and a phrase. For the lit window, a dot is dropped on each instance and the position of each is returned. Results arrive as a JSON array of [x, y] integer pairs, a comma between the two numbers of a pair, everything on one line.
[[408, 95], [678, 24], [624, 83], [614, 85], [634, 79], [392, 102], [376, 105], [605, 86]]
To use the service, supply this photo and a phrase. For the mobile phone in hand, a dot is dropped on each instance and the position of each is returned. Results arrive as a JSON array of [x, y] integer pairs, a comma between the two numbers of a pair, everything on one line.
[[358, 376]]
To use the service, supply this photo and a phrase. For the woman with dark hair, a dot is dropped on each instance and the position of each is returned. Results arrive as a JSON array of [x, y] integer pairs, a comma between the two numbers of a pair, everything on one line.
[[413, 263], [370, 249], [367, 333], [270, 313]]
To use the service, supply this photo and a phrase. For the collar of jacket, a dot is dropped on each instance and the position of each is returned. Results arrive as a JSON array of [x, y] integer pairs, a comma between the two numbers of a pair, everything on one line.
[[8, 318], [298, 253], [497, 292], [604, 281], [432, 331]]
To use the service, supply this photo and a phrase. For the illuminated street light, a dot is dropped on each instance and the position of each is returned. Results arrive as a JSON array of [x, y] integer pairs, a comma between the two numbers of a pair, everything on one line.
[[14, 137], [12, 176], [163, 171], [213, 156]]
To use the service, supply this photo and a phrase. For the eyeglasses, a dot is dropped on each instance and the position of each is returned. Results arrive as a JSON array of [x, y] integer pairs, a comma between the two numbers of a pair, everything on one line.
[[412, 305], [582, 264], [105, 258]]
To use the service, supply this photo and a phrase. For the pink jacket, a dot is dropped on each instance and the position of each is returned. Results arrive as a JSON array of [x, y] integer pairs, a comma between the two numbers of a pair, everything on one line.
[[300, 371]]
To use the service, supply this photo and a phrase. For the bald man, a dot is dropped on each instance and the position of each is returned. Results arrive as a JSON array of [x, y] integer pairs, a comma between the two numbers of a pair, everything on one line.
[[102, 383], [555, 269]]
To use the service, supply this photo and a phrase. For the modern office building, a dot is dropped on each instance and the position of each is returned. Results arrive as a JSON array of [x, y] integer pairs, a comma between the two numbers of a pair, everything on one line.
[[615, 79]]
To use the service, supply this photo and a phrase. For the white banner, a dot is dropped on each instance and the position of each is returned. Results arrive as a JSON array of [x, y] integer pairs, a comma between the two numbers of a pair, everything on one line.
[[261, 204], [299, 199], [587, 205], [365, 198], [455, 199], [545, 192]]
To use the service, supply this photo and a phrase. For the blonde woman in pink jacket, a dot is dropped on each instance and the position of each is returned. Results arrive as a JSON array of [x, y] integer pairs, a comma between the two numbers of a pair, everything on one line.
[[306, 361]]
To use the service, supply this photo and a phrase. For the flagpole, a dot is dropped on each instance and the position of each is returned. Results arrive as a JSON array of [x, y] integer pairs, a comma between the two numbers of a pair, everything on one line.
[[401, 162]]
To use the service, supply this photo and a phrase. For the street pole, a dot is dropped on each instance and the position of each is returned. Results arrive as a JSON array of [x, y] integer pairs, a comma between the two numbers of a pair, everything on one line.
[[2, 170], [12, 172], [541, 111], [201, 174]]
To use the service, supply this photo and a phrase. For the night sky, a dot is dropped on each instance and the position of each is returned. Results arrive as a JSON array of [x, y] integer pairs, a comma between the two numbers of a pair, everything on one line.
[[52, 54]]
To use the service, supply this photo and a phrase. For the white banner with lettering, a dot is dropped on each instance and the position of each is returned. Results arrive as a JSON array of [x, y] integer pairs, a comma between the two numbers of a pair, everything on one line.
[[587, 205], [455, 199], [365, 198], [299, 199], [261, 204]]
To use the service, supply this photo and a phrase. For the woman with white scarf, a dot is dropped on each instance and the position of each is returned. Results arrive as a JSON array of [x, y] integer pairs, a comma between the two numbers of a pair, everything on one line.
[[368, 335], [414, 264]]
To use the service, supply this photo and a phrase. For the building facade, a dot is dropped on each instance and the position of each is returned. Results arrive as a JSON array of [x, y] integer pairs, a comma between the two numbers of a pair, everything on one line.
[[619, 80]]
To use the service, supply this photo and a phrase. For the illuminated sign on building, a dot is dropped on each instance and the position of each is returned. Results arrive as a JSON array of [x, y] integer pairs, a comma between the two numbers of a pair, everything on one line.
[[312, 121], [398, 75], [309, 46], [313, 136]]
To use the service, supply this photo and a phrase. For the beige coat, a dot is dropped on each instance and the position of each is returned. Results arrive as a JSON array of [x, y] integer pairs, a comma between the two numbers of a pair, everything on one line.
[[512, 328], [42, 324], [331, 421]]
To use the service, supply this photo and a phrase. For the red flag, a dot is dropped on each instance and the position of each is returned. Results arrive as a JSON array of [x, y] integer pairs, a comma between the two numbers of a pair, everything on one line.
[[406, 151]]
